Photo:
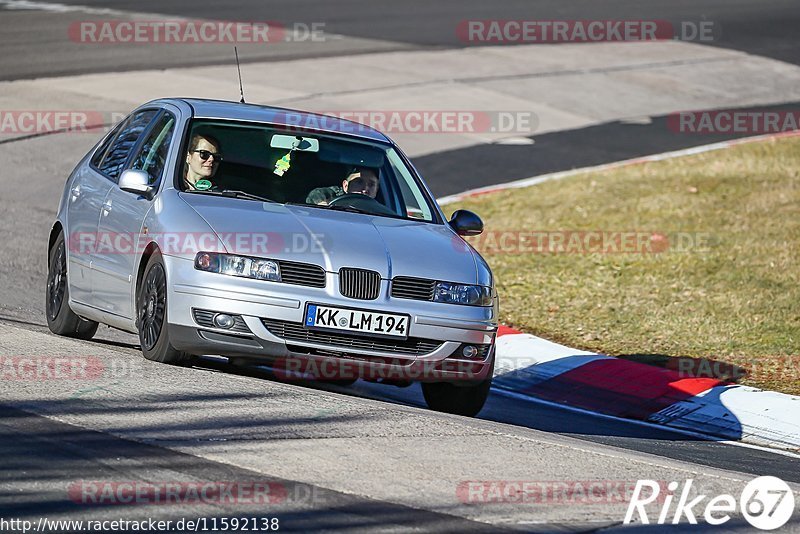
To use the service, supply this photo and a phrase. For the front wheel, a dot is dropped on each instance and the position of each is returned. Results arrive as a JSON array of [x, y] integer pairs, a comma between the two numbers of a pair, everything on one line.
[[61, 320], [342, 382], [151, 315], [465, 400]]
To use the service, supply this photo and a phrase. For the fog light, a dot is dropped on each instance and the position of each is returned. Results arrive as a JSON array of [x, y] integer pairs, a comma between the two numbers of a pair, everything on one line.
[[469, 351], [222, 320]]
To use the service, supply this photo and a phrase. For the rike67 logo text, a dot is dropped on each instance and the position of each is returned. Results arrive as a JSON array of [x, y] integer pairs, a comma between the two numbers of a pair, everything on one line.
[[766, 503]]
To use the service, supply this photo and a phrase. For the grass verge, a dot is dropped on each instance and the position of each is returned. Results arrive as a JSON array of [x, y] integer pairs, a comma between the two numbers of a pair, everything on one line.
[[691, 263]]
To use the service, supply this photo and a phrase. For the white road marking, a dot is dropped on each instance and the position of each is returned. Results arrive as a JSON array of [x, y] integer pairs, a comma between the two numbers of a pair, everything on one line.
[[54, 7], [514, 141], [705, 437]]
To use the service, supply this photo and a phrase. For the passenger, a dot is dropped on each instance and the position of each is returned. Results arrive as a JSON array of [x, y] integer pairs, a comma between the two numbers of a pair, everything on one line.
[[202, 162], [362, 181]]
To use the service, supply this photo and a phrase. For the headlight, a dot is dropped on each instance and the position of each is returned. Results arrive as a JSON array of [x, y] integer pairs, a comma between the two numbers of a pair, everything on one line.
[[462, 294], [257, 268]]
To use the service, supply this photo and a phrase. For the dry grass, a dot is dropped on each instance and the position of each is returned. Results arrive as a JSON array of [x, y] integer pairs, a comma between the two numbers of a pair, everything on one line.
[[732, 295]]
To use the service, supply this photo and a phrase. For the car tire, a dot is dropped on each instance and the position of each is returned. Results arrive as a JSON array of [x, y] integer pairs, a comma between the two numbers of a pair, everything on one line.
[[457, 400], [465, 400], [342, 382], [151, 315], [61, 320]]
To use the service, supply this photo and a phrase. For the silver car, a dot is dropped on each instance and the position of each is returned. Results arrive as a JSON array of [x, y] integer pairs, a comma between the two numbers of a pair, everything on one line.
[[274, 237]]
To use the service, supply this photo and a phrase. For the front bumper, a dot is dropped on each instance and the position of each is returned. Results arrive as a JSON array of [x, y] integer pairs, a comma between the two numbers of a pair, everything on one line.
[[442, 328]]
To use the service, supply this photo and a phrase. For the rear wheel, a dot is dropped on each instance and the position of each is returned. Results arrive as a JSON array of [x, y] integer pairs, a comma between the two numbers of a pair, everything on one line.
[[60, 318], [151, 315]]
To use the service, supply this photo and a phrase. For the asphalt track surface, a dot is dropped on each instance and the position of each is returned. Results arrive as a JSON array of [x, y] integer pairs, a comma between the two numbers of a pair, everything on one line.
[[523, 413], [763, 28], [473, 167], [36, 44], [151, 430], [79, 454]]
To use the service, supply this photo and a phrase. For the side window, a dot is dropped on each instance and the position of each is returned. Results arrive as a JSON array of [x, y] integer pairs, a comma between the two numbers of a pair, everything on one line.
[[117, 155], [98, 156], [153, 154], [413, 198]]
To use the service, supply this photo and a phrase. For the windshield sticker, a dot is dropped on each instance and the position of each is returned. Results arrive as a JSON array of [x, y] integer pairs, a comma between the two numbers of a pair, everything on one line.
[[202, 185]]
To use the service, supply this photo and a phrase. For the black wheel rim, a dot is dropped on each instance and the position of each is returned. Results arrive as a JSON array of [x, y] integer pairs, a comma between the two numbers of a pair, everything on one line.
[[152, 306], [56, 282]]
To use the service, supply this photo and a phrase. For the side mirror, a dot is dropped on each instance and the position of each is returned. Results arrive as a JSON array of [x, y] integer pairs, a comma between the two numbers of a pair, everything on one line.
[[466, 223], [137, 182]]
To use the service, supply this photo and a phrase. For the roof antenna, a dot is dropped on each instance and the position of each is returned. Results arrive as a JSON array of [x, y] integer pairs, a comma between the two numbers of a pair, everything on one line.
[[241, 90]]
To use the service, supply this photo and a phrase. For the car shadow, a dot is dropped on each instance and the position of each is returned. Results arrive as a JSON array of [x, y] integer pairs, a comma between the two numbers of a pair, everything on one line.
[[91, 475], [548, 398]]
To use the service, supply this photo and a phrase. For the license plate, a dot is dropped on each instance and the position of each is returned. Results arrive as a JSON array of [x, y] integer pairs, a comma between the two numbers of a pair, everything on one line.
[[361, 321]]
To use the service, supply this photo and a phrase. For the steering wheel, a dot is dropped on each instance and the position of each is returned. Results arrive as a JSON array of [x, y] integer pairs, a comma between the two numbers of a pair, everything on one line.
[[361, 202]]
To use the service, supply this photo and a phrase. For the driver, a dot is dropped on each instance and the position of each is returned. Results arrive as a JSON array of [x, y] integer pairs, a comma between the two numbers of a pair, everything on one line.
[[202, 162], [363, 180]]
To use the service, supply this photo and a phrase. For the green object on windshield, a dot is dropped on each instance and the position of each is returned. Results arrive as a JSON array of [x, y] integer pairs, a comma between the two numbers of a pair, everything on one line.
[[202, 185], [283, 164]]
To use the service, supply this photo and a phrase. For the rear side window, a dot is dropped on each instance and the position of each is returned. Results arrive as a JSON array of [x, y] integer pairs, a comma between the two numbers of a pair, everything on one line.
[[152, 155], [98, 155], [114, 160]]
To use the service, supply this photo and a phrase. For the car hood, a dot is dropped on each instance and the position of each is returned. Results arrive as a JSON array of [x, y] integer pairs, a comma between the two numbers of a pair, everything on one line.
[[336, 239]]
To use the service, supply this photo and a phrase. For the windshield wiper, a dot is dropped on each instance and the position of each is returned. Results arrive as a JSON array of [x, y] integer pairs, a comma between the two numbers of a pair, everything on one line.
[[325, 207], [244, 194], [349, 208], [232, 193], [306, 205]]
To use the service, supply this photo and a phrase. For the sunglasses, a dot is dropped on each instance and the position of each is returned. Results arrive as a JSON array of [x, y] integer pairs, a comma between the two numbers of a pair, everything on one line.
[[205, 154]]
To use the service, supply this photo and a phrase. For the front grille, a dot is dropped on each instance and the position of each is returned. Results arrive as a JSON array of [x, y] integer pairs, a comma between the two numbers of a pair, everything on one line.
[[206, 318], [302, 274], [359, 283], [405, 287], [297, 332]]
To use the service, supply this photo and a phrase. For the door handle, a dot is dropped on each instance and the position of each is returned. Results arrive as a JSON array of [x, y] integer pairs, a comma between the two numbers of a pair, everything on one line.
[[107, 207], [76, 192]]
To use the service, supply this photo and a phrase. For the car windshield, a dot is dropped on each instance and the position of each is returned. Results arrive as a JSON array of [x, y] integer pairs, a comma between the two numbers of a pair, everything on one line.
[[261, 162]]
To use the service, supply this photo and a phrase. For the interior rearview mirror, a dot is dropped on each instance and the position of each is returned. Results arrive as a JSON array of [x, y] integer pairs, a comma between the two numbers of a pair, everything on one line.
[[294, 142]]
